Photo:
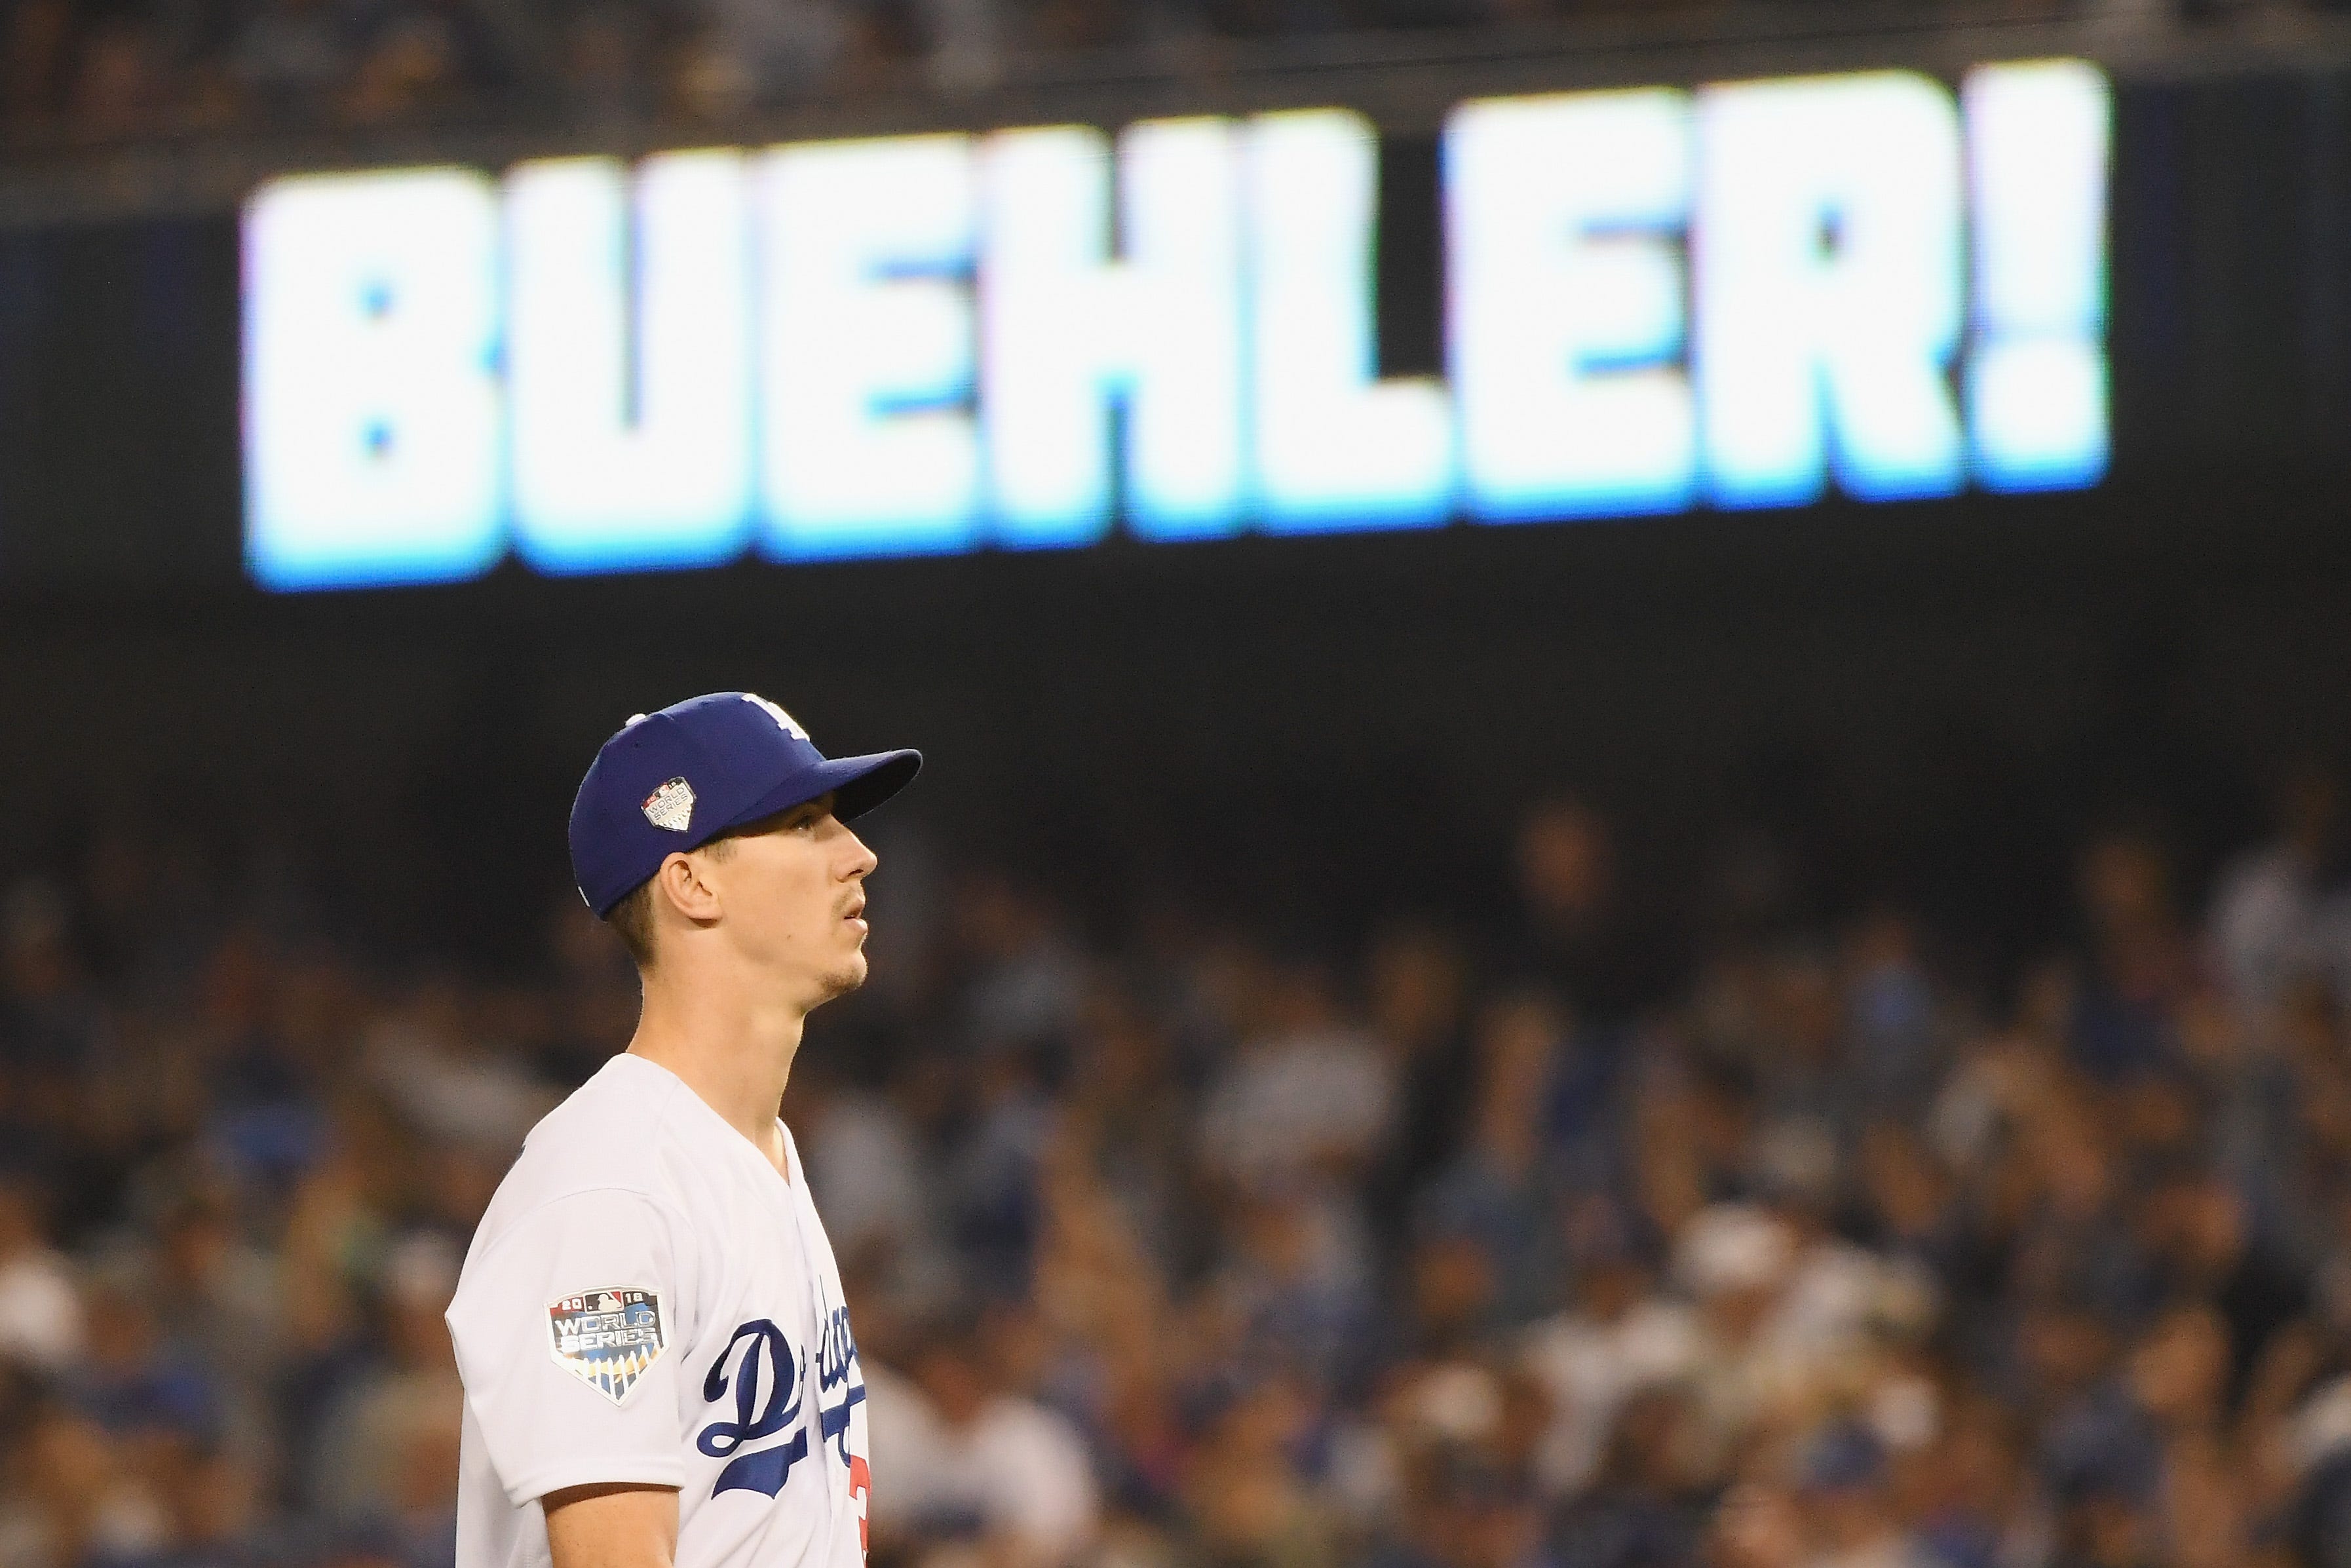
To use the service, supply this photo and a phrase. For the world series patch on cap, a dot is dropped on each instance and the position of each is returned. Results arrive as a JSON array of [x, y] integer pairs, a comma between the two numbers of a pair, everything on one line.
[[607, 1338]]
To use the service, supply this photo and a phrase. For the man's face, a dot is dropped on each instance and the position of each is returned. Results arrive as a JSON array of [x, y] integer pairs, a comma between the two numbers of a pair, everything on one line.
[[794, 888]]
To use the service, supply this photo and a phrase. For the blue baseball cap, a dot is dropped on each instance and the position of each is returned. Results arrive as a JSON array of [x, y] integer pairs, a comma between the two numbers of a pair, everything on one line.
[[678, 778]]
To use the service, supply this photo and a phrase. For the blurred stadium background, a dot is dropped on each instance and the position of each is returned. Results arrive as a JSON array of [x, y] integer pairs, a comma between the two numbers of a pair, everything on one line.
[[1785, 1011]]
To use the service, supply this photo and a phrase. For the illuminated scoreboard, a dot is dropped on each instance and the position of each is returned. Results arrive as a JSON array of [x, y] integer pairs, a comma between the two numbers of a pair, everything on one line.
[[1740, 296]]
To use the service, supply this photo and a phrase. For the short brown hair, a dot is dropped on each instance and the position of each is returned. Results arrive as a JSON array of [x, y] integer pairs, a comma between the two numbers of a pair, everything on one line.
[[631, 919]]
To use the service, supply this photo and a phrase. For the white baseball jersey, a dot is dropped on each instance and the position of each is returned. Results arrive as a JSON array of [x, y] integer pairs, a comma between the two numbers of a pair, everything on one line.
[[647, 1299]]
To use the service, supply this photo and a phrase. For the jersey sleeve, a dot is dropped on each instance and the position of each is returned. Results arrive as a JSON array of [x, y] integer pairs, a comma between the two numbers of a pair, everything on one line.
[[566, 1328]]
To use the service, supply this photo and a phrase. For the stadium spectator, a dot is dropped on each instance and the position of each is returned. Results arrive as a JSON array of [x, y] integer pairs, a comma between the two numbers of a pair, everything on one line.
[[1198, 1248]]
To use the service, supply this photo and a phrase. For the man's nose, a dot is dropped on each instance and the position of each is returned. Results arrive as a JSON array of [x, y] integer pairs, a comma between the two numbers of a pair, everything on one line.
[[861, 860]]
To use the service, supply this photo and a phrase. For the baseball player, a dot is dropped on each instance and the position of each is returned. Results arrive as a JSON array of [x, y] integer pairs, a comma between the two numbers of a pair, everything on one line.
[[658, 1365]]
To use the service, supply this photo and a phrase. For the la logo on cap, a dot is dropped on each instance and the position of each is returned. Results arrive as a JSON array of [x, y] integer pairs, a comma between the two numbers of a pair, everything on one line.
[[671, 806], [790, 726]]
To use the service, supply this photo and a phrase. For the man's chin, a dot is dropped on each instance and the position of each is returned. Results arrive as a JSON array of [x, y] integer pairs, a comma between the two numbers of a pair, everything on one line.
[[839, 982]]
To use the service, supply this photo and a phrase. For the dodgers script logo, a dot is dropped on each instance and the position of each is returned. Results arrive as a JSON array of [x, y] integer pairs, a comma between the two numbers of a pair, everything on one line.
[[766, 1386], [836, 1363], [765, 1367], [607, 1338]]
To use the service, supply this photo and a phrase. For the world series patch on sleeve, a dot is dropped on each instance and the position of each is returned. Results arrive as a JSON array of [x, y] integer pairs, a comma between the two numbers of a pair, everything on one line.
[[607, 1338]]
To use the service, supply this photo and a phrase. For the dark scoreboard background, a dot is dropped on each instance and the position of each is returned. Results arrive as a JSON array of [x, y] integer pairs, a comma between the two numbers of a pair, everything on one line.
[[2230, 337], [1933, 698]]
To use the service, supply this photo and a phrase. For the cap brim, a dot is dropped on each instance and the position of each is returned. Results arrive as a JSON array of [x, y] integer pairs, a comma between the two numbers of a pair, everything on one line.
[[857, 785]]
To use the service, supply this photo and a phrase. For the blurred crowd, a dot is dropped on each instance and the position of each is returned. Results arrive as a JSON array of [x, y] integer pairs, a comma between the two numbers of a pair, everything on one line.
[[81, 72], [1605, 1233], [100, 69]]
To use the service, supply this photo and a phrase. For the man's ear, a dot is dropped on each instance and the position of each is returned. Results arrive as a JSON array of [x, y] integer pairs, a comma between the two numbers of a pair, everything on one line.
[[679, 882]]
